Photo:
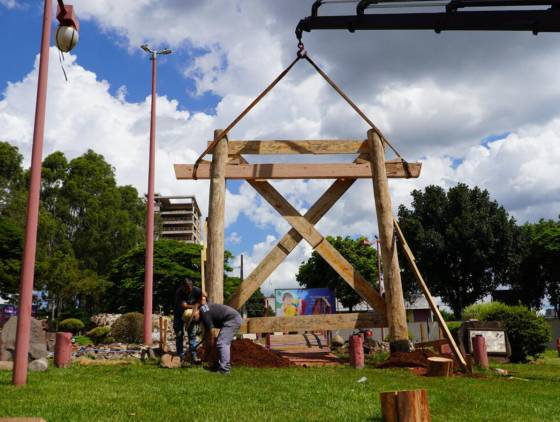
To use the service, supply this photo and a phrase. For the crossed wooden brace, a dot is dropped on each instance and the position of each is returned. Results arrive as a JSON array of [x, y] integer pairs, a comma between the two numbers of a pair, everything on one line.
[[303, 228]]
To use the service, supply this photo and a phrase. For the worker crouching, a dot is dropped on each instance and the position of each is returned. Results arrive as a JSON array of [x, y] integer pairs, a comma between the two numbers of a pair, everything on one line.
[[227, 320]]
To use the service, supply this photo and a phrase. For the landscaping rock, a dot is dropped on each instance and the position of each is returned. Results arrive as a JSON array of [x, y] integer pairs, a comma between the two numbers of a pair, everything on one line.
[[38, 343], [170, 361], [6, 365], [39, 365], [337, 341]]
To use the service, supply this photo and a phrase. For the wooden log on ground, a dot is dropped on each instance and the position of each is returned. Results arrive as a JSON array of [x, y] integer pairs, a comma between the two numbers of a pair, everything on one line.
[[394, 299], [312, 323], [394, 169], [405, 406], [216, 214], [439, 367]]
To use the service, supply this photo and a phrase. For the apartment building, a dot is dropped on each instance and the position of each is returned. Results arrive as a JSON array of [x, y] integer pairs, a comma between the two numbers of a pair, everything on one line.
[[178, 218]]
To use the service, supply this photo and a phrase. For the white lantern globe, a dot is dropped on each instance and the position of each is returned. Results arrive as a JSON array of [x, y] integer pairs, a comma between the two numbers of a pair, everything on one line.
[[66, 38]]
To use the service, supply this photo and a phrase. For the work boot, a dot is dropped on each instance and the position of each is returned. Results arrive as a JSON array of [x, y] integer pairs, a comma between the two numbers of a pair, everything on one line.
[[195, 360]]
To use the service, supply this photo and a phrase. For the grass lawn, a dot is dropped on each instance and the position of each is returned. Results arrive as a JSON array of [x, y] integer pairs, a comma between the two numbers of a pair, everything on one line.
[[148, 393]]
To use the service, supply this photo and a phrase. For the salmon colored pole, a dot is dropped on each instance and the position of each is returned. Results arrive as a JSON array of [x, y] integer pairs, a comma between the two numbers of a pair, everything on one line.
[[149, 259], [28, 264]]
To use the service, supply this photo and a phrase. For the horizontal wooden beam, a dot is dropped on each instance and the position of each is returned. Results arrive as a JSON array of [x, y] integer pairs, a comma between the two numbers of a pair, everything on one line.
[[281, 147], [395, 169], [313, 323]]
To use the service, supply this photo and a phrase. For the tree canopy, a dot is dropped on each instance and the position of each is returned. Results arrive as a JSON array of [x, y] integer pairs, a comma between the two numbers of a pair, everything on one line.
[[464, 242], [316, 272]]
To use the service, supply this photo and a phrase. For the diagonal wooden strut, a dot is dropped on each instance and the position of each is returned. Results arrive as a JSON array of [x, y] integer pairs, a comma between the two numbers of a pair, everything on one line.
[[287, 244], [412, 261], [320, 245]]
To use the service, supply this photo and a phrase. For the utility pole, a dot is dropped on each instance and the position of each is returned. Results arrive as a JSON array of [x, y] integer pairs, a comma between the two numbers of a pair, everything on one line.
[[67, 38], [149, 259]]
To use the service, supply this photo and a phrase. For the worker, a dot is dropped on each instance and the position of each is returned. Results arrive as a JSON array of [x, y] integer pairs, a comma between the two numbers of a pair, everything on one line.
[[228, 320], [187, 297]]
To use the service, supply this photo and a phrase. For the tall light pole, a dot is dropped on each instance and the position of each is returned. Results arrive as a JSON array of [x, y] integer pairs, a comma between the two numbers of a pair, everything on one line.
[[66, 39], [149, 260]]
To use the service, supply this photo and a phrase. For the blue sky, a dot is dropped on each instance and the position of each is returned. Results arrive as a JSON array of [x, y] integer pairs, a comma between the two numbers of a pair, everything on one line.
[[498, 131]]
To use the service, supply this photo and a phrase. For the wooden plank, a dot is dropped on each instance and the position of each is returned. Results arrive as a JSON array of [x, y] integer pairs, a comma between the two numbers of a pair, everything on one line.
[[320, 244], [287, 244], [394, 169], [424, 287], [394, 299], [288, 147], [314, 322]]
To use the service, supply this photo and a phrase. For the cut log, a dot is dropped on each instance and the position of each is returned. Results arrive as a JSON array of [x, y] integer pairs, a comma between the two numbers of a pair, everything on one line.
[[439, 367], [405, 406]]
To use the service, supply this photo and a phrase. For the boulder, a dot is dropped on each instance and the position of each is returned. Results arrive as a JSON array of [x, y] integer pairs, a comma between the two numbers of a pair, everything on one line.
[[6, 365], [39, 365], [337, 341], [38, 342], [170, 361]]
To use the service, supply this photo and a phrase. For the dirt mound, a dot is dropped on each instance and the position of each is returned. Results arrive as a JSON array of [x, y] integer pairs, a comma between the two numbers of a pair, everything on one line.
[[414, 359], [246, 353]]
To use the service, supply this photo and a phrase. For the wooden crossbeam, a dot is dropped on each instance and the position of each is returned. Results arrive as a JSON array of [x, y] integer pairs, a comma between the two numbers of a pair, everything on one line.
[[320, 244], [313, 323], [287, 244], [395, 169], [285, 147], [424, 287]]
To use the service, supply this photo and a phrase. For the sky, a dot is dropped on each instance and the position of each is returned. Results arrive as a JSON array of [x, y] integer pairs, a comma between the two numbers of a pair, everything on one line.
[[478, 108]]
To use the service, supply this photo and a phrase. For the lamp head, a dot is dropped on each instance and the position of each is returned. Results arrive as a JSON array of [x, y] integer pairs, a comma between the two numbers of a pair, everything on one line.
[[165, 51], [66, 38], [146, 48]]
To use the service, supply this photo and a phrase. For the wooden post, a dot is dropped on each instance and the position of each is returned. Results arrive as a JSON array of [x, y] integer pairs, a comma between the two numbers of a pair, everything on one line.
[[216, 212], [203, 258], [405, 406], [439, 367], [394, 299]]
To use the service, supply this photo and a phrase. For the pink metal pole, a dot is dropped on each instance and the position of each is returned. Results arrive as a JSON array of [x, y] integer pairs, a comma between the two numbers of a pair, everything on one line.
[[28, 264], [149, 262]]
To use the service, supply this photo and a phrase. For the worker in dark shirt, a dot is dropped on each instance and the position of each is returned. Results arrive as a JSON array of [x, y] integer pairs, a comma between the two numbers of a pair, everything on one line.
[[187, 296], [225, 318]]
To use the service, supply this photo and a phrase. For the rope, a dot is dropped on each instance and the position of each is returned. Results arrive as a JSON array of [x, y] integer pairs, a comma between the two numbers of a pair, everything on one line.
[[243, 114], [353, 105], [302, 54]]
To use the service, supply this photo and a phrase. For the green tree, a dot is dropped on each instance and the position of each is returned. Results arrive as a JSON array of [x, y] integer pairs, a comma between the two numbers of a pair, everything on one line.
[[11, 172], [173, 261], [315, 272], [464, 243], [254, 305], [11, 248]]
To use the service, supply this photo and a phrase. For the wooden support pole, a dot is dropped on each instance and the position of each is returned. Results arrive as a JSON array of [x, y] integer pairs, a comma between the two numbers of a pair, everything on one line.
[[321, 246], [423, 286], [405, 406], [394, 299], [216, 215], [287, 244]]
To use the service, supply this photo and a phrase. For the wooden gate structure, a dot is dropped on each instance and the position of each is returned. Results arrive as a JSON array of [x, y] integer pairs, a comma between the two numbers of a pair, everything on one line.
[[228, 162]]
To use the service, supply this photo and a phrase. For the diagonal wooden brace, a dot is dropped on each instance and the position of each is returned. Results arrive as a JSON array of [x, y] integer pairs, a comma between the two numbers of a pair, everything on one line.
[[320, 244], [287, 244]]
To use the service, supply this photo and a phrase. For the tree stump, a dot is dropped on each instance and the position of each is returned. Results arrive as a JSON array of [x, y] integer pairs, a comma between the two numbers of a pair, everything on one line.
[[405, 406], [439, 367]]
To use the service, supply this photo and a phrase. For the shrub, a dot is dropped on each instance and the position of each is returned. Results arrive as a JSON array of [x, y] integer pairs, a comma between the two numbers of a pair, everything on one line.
[[528, 333], [447, 316], [481, 311], [99, 334], [129, 328], [71, 324], [83, 341]]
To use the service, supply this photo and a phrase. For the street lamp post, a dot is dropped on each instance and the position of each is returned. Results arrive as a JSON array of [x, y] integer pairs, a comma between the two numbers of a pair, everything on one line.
[[149, 259], [67, 19]]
